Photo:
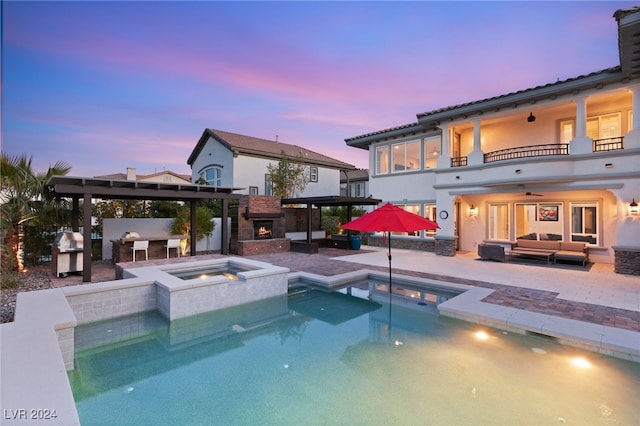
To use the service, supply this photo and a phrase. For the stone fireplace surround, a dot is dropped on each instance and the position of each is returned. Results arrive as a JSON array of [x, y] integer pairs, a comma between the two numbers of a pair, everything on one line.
[[253, 208], [260, 208]]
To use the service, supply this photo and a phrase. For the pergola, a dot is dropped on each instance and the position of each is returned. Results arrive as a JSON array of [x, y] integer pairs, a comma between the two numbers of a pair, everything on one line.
[[89, 188], [329, 201]]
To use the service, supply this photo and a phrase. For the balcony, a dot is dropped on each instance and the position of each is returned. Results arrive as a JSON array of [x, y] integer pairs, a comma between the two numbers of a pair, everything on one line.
[[458, 161], [611, 144], [527, 151], [599, 145]]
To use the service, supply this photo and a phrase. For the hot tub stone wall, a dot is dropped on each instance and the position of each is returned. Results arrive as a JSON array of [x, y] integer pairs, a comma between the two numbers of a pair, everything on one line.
[[252, 247]]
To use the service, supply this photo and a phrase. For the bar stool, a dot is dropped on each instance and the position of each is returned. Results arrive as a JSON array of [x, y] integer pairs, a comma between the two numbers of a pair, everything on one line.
[[173, 244], [142, 245]]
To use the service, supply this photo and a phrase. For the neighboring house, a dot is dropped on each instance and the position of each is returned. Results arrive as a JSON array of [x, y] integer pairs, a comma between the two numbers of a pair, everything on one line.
[[238, 161], [355, 183], [559, 161], [165, 176]]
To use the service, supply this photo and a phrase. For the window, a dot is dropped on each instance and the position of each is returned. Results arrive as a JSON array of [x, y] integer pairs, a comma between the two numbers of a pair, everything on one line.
[[430, 212], [604, 126], [566, 131], [268, 185], [212, 175], [313, 174], [431, 152], [584, 222], [405, 156], [539, 221], [382, 160], [253, 190], [356, 189], [599, 127], [498, 228], [413, 208]]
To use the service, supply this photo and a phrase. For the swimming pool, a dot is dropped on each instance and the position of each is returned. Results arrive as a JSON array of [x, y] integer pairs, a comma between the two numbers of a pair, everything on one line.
[[337, 358]]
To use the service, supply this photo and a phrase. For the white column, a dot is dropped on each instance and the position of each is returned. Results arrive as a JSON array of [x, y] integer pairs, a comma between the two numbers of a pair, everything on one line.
[[581, 117], [476, 157], [444, 161], [635, 105], [632, 138], [581, 144], [476, 135]]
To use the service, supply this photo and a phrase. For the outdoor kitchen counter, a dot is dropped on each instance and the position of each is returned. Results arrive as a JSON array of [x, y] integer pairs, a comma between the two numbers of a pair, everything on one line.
[[121, 249]]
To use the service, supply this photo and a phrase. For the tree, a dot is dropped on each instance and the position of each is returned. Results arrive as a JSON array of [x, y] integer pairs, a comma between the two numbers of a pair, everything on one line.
[[164, 208], [24, 196], [289, 177], [181, 225]]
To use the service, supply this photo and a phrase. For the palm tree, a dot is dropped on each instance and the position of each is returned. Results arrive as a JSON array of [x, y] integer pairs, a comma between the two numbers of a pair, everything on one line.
[[23, 194]]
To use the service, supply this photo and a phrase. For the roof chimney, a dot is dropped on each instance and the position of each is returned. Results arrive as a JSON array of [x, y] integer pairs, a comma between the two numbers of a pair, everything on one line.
[[131, 173]]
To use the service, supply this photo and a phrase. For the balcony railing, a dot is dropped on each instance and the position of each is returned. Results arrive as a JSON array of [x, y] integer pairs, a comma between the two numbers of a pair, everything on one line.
[[458, 161], [610, 144], [527, 151]]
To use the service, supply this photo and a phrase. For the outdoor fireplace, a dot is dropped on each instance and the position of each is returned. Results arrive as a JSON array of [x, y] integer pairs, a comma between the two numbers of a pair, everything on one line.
[[262, 229]]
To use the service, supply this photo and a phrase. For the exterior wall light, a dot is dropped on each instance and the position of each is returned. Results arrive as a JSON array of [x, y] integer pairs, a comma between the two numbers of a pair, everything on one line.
[[531, 118], [473, 210], [633, 207]]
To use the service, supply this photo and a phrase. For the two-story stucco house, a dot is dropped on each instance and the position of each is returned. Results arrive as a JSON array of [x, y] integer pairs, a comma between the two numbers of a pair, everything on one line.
[[559, 161], [237, 161]]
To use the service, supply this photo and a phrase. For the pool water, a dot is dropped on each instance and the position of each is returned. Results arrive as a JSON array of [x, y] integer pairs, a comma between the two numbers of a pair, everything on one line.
[[336, 358], [228, 270]]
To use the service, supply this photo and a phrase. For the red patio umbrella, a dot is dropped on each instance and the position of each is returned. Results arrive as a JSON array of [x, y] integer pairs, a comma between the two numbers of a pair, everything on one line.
[[389, 218]]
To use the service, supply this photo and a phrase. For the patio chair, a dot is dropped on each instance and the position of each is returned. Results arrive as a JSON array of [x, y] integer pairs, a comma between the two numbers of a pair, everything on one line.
[[173, 244], [142, 245], [491, 252]]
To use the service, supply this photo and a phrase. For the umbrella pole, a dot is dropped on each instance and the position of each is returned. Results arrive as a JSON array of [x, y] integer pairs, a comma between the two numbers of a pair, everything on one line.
[[389, 256]]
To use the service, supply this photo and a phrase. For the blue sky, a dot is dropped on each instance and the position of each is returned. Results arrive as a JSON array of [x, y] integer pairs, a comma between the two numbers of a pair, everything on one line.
[[110, 85]]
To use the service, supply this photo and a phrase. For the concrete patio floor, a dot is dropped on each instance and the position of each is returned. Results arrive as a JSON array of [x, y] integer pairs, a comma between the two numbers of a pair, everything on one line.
[[595, 295]]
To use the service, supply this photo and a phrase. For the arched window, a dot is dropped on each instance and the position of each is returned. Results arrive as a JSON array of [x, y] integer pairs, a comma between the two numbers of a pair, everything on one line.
[[212, 175]]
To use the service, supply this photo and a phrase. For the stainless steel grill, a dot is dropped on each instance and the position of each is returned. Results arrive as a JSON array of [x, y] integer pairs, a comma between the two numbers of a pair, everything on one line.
[[67, 253]]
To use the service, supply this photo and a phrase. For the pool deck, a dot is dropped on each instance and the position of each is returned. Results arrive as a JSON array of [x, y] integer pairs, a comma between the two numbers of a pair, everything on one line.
[[595, 295]]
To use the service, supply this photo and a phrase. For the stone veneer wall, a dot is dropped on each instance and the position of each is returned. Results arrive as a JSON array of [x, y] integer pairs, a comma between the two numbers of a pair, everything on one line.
[[275, 245], [627, 260], [423, 244], [445, 246]]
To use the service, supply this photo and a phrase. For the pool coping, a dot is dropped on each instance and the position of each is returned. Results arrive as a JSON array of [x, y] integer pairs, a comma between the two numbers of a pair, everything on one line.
[[34, 375]]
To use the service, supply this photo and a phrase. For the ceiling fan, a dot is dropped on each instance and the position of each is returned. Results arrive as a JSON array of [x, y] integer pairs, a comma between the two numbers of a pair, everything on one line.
[[529, 193]]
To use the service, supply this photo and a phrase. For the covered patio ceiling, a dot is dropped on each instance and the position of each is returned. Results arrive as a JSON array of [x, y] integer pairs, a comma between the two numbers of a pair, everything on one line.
[[88, 188]]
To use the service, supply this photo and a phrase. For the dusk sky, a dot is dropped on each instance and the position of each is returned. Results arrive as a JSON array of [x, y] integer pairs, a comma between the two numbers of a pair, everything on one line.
[[110, 85]]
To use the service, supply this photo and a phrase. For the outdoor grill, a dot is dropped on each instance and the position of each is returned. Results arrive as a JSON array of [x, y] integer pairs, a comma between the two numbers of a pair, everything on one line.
[[67, 253]]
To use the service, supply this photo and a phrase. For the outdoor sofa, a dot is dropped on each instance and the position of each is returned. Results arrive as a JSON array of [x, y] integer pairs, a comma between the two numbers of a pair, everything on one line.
[[552, 250], [540, 249]]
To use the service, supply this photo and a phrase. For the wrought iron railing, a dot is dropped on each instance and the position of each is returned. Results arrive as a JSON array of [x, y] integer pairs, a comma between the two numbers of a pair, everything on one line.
[[527, 151], [610, 144], [458, 161]]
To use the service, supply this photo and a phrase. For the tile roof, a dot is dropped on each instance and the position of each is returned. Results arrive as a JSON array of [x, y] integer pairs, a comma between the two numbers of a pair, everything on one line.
[[355, 175], [249, 145], [558, 87], [427, 120]]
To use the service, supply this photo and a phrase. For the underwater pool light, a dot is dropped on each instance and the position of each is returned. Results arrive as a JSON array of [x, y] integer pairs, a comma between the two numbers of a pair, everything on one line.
[[481, 335], [580, 362]]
